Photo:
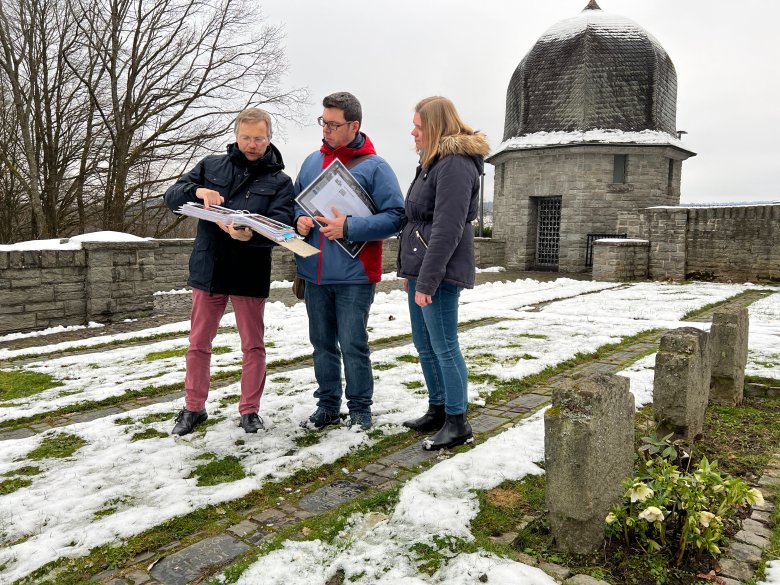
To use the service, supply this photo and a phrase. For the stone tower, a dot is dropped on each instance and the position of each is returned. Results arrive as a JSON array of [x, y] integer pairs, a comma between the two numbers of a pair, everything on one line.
[[590, 131]]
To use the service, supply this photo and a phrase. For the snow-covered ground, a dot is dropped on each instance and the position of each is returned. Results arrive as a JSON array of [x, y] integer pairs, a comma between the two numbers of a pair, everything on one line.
[[148, 481]]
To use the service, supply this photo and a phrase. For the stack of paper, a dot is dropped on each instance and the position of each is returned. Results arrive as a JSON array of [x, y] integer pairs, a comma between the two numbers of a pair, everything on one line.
[[274, 230]]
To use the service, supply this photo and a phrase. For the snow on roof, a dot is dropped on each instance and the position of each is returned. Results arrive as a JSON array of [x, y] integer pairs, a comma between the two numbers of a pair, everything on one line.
[[557, 138], [599, 22], [73, 243]]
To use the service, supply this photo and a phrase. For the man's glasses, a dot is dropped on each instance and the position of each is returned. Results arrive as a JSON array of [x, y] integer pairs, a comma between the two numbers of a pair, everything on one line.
[[331, 125], [259, 140]]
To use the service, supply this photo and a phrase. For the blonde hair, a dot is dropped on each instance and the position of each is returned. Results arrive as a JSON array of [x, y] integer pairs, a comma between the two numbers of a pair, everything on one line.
[[439, 118], [252, 115]]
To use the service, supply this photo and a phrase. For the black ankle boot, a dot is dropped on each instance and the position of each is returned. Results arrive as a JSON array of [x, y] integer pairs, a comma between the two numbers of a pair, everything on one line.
[[456, 431], [431, 421]]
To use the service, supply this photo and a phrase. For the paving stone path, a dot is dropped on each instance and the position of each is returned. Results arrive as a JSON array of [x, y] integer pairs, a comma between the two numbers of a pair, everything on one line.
[[178, 564]]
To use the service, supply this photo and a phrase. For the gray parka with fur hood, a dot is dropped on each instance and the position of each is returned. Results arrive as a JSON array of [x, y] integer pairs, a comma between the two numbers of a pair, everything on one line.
[[437, 242]]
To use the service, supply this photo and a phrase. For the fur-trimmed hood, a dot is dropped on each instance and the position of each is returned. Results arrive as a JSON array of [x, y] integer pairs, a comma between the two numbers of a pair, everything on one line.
[[469, 144]]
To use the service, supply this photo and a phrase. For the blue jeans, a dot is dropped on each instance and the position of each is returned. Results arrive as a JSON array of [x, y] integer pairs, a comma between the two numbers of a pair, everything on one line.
[[338, 328], [435, 335]]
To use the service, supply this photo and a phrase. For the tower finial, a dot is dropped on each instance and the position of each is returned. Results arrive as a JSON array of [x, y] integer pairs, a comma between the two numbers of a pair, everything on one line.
[[592, 6]]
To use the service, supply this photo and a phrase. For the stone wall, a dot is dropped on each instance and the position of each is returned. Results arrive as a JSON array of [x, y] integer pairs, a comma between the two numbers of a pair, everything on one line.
[[714, 243], [42, 288], [618, 260], [112, 281]]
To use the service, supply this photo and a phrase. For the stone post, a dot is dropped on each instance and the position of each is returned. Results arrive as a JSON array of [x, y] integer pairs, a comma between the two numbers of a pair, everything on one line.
[[728, 351], [589, 452], [681, 386]]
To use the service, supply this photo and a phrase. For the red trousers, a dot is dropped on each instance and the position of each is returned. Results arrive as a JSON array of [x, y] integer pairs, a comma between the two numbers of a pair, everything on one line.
[[207, 310]]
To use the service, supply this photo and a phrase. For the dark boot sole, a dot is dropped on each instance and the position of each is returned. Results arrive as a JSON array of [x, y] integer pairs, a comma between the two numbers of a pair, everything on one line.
[[431, 446]]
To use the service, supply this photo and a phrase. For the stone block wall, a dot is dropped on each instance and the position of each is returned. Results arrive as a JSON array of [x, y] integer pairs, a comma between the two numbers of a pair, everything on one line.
[[112, 281], [42, 288], [119, 280], [738, 243], [616, 260], [734, 243]]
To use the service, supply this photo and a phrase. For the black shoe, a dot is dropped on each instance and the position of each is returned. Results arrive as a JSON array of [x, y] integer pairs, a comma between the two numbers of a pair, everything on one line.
[[186, 421], [251, 423], [321, 418], [456, 431], [431, 421]]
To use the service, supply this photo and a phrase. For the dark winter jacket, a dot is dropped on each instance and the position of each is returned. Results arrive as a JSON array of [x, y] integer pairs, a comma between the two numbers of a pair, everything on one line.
[[437, 242], [220, 264], [333, 265]]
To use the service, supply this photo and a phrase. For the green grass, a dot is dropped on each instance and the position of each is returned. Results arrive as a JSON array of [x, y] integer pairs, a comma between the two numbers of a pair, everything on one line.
[[57, 446], [123, 421], [8, 486], [157, 417], [705, 308], [26, 470], [229, 399], [308, 439], [148, 434], [384, 366], [280, 380], [413, 385], [15, 384], [223, 470], [409, 359], [181, 352], [111, 506]]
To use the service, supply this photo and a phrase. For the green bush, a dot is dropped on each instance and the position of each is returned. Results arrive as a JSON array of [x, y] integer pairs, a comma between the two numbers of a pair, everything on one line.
[[670, 511]]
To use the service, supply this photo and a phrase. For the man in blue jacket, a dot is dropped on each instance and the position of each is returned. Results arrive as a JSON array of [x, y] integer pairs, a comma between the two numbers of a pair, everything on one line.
[[235, 263], [340, 289]]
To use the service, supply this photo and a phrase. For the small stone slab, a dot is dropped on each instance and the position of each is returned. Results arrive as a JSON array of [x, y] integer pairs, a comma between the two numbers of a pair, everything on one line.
[[137, 577], [558, 572], [584, 580], [17, 434], [243, 528], [486, 422], [186, 565], [331, 496], [735, 569], [727, 581], [751, 538], [95, 414], [763, 517], [744, 552], [757, 527], [529, 401], [409, 457]]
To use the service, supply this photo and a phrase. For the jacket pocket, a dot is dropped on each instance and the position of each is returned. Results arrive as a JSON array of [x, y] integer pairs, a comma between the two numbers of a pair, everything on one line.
[[216, 182], [257, 198]]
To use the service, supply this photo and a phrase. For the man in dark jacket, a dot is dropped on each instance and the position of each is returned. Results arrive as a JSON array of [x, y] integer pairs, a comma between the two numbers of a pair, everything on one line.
[[229, 262], [340, 288]]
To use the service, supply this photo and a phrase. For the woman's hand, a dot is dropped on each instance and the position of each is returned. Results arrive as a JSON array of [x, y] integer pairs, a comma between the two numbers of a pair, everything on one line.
[[422, 300]]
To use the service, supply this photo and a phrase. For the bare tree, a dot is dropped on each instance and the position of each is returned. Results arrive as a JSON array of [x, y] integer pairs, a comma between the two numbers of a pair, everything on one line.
[[105, 101], [172, 75], [51, 110]]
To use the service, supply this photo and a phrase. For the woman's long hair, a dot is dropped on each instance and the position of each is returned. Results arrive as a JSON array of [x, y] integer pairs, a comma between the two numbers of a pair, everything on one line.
[[439, 119]]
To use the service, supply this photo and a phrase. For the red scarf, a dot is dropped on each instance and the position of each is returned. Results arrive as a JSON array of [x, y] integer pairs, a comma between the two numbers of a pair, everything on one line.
[[345, 153]]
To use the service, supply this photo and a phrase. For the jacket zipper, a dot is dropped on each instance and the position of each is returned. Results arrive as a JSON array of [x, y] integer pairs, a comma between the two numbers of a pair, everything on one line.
[[419, 237]]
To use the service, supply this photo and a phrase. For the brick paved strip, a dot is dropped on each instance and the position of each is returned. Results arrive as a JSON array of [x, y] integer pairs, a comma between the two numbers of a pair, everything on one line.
[[188, 564]]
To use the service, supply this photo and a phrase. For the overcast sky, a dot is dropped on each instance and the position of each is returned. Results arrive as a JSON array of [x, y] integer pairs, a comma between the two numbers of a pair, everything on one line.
[[390, 54]]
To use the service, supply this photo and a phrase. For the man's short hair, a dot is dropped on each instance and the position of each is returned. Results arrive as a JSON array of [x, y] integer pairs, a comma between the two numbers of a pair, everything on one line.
[[253, 115], [343, 100]]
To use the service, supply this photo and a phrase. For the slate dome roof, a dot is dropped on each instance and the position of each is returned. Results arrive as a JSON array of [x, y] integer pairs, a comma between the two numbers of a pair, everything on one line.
[[592, 71]]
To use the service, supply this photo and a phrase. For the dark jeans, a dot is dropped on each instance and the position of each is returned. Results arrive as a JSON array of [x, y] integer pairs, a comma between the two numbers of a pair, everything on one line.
[[338, 321], [435, 335]]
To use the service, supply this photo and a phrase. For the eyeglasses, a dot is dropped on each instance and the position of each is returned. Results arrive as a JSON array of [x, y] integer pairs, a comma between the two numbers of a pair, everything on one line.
[[332, 125], [260, 140]]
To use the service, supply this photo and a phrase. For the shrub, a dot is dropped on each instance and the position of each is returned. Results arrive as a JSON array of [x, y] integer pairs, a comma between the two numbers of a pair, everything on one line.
[[668, 510]]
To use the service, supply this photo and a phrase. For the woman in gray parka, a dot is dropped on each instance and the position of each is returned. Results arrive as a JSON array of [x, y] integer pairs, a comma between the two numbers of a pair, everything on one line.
[[436, 256]]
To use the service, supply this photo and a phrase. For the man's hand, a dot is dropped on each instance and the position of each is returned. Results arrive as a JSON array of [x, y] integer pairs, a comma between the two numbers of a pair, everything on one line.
[[304, 225], [209, 197], [241, 234], [333, 229]]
